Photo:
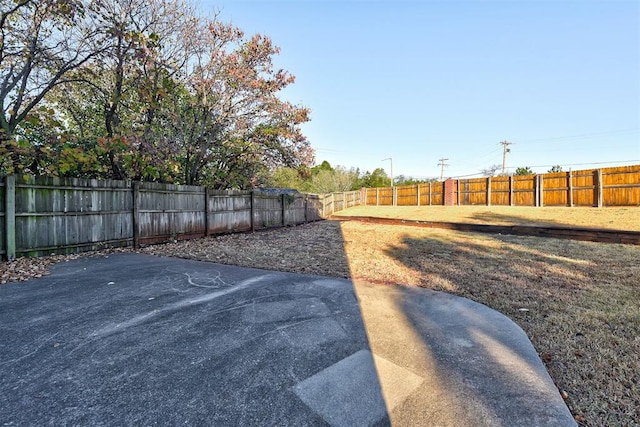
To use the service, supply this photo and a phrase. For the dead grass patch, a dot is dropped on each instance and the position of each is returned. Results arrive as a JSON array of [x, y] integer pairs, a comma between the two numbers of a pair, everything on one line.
[[624, 218]]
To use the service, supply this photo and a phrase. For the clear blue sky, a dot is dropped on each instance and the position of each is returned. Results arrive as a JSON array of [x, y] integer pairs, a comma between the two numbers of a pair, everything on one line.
[[423, 80]]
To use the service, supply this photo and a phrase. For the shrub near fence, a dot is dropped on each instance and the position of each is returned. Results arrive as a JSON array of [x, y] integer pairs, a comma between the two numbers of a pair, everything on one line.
[[618, 186], [41, 215]]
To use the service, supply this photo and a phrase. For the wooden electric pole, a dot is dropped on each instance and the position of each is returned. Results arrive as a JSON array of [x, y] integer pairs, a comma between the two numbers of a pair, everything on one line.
[[505, 150], [442, 165]]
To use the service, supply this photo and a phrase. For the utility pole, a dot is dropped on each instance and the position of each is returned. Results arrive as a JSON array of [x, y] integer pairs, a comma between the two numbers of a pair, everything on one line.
[[505, 150], [442, 165]]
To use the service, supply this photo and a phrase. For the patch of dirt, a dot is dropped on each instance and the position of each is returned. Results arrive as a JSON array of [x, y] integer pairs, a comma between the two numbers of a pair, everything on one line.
[[316, 248]]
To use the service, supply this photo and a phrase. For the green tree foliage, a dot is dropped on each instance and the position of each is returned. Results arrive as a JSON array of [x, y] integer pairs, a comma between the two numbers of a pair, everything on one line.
[[143, 90], [286, 178], [324, 178], [329, 181], [377, 178], [407, 180], [523, 171], [320, 179], [41, 42]]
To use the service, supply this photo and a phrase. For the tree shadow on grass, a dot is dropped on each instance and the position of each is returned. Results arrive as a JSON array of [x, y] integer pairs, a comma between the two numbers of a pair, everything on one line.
[[497, 218], [577, 302], [572, 218]]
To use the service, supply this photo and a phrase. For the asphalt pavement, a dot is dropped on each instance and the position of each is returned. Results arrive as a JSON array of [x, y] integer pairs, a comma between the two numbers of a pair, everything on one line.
[[131, 339]]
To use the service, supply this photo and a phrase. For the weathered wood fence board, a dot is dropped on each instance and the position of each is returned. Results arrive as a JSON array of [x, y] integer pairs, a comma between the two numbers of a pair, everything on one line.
[[295, 209], [268, 211], [432, 194], [169, 212], [53, 214], [315, 207], [41, 215], [229, 211]]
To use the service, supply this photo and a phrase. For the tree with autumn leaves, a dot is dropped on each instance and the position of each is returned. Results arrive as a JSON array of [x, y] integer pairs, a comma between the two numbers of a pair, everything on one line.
[[132, 89]]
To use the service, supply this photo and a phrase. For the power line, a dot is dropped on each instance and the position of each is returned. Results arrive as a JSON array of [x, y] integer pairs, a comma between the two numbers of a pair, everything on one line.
[[563, 165], [584, 135], [473, 159], [587, 164]]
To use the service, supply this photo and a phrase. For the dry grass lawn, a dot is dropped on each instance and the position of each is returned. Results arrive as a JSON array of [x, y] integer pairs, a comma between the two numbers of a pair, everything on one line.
[[625, 218]]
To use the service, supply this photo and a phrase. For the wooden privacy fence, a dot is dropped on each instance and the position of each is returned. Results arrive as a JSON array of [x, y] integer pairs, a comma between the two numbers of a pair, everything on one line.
[[40, 215], [410, 195], [619, 186], [335, 202]]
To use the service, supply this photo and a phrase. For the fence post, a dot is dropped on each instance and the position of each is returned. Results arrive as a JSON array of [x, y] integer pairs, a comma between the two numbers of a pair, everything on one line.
[[10, 216], [135, 187], [570, 187], [345, 205], [458, 181], [599, 187], [282, 201], [511, 201], [430, 193], [206, 211], [377, 196], [394, 195], [541, 185], [536, 190], [418, 195], [306, 208], [253, 210], [489, 191]]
